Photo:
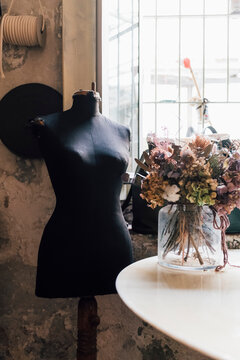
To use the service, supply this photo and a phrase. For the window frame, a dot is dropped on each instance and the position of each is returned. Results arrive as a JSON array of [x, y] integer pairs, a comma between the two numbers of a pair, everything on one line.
[[179, 102]]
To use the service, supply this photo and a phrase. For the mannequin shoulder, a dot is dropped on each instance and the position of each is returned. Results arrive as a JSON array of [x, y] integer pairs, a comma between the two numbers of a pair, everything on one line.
[[122, 130], [41, 124], [126, 132], [37, 126]]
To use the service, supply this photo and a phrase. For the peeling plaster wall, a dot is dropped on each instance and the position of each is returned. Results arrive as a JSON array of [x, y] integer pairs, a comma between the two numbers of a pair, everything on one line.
[[30, 328], [23, 64], [42, 329]]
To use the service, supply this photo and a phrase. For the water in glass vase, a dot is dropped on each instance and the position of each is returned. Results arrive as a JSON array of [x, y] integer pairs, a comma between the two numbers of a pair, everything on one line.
[[187, 239]]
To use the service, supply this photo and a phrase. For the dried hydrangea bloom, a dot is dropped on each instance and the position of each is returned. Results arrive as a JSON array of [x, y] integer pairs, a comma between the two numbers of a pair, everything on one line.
[[153, 188], [227, 202], [200, 142], [197, 169], [159, 155], [187, 156], [202, 192], [171, 193]]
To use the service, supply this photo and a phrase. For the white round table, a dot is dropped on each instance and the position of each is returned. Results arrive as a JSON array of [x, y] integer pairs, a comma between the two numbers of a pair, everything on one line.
[[198, 309]]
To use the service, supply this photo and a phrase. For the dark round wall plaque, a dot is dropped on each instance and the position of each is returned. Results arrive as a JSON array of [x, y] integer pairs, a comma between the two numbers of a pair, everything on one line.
[[17, 108]]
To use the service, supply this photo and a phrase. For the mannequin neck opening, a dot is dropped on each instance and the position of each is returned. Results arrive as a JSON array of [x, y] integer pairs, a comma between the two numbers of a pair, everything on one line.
[[86, 105]]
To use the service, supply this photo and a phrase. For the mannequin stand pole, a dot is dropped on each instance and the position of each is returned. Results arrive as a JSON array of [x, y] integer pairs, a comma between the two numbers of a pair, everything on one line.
[[88, 320]]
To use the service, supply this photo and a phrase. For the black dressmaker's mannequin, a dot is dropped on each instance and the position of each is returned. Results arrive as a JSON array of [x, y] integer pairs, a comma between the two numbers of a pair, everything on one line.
[[86, 243]]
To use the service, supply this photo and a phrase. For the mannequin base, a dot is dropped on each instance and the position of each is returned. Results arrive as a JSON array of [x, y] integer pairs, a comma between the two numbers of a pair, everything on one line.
[[88, 321]]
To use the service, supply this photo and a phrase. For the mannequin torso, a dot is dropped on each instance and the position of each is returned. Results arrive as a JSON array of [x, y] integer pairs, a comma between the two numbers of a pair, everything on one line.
[[86, 243]]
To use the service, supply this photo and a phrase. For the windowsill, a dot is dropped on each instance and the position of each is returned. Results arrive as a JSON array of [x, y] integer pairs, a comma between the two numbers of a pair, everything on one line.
[[146, 245]]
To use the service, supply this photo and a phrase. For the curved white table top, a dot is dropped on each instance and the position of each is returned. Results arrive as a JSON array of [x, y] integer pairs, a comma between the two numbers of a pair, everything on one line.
[[198, 309]]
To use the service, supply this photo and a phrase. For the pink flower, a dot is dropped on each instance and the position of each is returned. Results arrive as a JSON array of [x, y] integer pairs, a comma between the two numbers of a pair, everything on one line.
[[187, 63], [231, 187], [234, 164]]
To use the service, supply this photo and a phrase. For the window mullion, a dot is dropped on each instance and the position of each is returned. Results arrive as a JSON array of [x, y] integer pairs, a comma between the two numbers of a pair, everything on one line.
[[156, 66], [228, 51], [118, 60], [204, 61], [132, 89], [140, 102], [179, 72]]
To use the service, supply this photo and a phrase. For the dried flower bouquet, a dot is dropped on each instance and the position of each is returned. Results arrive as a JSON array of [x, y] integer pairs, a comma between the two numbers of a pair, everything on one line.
[[198, 173]]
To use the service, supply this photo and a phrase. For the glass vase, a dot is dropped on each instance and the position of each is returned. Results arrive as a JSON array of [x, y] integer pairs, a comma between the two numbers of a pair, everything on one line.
[[187, 239]]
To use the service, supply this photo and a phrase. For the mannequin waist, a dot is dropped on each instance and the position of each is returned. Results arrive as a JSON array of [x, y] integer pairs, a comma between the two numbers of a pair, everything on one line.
[[85, 208]]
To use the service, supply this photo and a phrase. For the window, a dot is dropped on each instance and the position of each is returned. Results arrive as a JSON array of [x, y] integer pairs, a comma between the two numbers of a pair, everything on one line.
[[120, 71], [145, 43]]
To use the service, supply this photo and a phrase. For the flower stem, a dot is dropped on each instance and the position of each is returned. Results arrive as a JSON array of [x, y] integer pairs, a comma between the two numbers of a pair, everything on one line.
[[188, 249], [196, 249]]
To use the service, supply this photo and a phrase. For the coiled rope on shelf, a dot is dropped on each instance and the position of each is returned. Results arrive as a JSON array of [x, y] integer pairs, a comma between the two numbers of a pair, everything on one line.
[[21, 30]]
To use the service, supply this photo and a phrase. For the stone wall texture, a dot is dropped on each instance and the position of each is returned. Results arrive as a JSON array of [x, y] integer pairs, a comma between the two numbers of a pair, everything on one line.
[[42, 329]]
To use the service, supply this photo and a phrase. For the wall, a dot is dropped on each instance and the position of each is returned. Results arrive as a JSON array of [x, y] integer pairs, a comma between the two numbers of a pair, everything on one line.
[[41, 329], [23, 64], [30, 328], [79, 47]]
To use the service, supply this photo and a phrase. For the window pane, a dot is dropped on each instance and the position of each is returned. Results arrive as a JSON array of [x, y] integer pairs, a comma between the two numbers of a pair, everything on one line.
[[234, 59], [216, 6], [190, 7], [148, 7], [168, 7], [111, 85], [125, 79], [167, 120], [234, 7], [148, 52], [125, 14], [112, 7], [120, 66], [216, 89], [216, 59], [134, 101], [167, 56], [225, 118], [147, 124], [192, 48], [135, 11], [125, 50], [190, 120]]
